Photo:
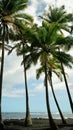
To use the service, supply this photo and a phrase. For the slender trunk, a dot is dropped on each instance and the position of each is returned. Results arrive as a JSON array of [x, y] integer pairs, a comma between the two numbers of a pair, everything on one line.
[[28, 120], [67, 88], [1, 71], [1, 77], [62, 117], [52, 123]]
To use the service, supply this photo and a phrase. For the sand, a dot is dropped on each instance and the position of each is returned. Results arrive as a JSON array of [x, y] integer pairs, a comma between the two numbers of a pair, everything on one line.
[[38, 124]]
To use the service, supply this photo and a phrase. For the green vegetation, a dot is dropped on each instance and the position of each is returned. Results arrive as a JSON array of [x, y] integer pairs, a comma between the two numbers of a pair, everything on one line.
[[46, 43]]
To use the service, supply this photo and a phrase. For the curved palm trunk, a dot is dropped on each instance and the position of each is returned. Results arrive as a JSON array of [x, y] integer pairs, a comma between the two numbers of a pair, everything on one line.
[[1, 73], [62, 117], [52, 123], [28, 120], [67, 88]]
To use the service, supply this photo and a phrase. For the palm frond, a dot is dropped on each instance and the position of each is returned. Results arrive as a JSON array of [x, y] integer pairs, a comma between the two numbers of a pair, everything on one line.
[[39, 72], [25, 17], [13, 6], [65, 42], [65, 58]]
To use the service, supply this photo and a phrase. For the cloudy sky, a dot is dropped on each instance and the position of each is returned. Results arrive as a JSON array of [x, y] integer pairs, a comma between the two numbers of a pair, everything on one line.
[[13, 94]]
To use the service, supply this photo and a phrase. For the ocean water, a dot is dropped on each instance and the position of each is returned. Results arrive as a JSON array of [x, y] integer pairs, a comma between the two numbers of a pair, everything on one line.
[[21, 115]]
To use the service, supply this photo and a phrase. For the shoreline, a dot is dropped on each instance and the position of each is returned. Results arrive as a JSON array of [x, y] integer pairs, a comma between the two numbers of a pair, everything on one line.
[[21, 115], [37, 124]]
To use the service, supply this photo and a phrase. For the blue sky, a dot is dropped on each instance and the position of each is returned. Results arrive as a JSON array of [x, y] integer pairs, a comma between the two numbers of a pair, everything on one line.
[[13, 93]]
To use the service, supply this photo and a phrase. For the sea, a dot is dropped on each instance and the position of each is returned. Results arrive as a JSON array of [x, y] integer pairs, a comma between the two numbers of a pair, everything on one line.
[[21, 115]]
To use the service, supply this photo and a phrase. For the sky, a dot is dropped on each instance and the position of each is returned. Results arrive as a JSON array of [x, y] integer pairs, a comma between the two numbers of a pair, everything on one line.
[[13, 93]]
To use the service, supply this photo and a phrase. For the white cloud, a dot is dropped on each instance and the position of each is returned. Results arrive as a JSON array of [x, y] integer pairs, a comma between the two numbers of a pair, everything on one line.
[[13, 75], [13, 71], [31, 10], [13, 92], [39, 88], [67, 4]]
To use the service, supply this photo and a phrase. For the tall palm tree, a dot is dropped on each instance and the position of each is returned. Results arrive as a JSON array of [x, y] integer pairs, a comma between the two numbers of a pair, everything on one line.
[[9, 13], [20, 46], [63, 21], [28, 120], [1, 71]]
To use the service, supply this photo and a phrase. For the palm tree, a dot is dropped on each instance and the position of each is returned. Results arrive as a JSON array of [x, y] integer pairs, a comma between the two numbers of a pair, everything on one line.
[[9, 13], [62, 19], [52, 123], [2, 47], [53, 65], [51, 84], [28, 121], [20, 46], [69, 62], [67, 87]]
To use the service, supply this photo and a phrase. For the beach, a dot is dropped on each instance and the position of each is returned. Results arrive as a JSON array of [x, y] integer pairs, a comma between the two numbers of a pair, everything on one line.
[[37, 124], [15, 121]]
